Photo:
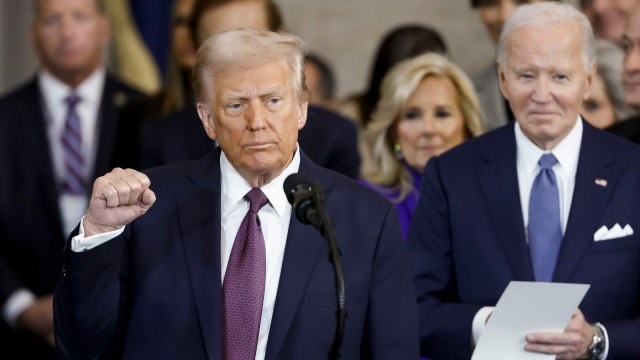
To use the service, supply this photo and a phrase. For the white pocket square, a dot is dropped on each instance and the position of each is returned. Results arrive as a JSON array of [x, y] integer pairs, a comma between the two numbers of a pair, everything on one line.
[[615, 232]]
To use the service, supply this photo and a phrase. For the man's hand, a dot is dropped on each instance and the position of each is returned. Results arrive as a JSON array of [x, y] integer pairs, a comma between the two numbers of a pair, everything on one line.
[[118, 198], [573, 343], [38, 318]]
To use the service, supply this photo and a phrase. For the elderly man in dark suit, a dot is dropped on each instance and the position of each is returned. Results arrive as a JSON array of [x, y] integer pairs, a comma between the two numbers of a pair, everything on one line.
[[160, 279], [549, 198], [58, 131]]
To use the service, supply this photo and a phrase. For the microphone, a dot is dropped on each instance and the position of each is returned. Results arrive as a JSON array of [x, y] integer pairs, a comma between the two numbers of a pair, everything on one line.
[[307, 200], [300, 194]]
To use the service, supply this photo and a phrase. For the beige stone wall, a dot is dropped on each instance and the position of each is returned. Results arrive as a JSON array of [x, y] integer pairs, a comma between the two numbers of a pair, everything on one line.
[[347, 32]]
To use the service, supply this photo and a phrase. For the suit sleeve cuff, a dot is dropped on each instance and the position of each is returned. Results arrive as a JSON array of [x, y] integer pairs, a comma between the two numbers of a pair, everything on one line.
[[15, 304], [79, 243], [479, 321]]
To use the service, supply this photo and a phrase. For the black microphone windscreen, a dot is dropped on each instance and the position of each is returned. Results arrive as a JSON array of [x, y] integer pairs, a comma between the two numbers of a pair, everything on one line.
[[292, 183]]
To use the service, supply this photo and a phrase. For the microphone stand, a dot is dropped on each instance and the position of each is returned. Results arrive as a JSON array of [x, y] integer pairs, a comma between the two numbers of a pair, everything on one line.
[[326, 229]]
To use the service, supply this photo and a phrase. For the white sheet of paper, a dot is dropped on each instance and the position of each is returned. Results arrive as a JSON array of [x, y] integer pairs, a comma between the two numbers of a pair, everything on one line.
[[523, 308]]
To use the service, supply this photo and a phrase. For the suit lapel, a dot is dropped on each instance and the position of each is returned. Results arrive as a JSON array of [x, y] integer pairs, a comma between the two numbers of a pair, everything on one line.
[[199, 217], [304, 247], [113, 99], [589, 201], [499, 182]]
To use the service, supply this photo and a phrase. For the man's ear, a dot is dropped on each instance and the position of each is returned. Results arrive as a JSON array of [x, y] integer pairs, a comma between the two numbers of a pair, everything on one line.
[[502, 81], [302, 113], [591, 74], [204, 112]]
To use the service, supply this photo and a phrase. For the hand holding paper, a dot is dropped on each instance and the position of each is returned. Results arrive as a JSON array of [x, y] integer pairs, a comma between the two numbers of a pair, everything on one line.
[[573, 343], [537, 309]]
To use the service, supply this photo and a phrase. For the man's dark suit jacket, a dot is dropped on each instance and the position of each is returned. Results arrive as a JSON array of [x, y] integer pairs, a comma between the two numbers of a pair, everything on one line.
[[31, 233], [628, 129], [329, 139], [467, 239], [155, 291]]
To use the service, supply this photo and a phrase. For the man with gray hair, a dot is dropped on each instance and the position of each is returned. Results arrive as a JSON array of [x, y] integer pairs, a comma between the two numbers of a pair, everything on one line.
[[217, 268], [548, 198]]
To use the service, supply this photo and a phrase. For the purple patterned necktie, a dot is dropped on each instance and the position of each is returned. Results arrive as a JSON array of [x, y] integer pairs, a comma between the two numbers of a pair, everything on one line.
[[243, 289], [545, 232], [71, 140]]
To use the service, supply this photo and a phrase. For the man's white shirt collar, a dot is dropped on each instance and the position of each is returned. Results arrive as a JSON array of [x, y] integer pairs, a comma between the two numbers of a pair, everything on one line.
[[235, 187], [54, 90], [567, 151]]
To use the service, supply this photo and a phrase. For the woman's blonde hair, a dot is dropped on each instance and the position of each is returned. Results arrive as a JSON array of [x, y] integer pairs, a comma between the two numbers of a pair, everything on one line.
[[397, 87]]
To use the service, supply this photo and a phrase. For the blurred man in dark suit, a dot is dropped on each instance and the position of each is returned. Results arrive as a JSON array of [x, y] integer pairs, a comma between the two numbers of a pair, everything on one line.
[[58, 131]]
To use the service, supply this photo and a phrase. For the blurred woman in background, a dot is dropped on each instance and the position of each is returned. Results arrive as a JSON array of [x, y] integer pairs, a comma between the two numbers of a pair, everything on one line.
[[427, 106]]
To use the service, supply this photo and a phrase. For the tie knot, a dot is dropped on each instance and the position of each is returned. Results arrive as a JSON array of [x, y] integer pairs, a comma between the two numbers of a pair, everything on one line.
[[72, 99], [547, 161], [257, 199]]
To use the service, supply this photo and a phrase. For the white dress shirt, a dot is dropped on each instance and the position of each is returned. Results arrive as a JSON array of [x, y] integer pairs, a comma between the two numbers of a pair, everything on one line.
[[72, 207], [274, 221]]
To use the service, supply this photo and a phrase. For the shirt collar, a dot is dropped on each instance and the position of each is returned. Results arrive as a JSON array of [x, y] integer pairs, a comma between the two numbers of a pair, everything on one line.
[[89, 91], [567, 151], [235, 187]]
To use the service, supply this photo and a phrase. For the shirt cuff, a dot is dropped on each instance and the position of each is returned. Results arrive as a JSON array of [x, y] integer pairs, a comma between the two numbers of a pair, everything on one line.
[[479, 321], [15, 304], [79, 243]]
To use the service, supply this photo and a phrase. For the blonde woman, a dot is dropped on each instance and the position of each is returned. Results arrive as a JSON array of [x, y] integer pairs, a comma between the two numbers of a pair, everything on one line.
[[427, 106]]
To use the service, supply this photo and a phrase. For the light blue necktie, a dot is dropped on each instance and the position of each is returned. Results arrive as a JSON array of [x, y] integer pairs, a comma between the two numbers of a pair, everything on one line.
[[545, 232]]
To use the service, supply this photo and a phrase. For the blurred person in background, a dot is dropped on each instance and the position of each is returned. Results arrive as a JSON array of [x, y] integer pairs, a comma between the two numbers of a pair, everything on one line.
[[178, 90], [607, 16], [630, 127], [59, 130], [605, 103], [427, 106], [320, 80]]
